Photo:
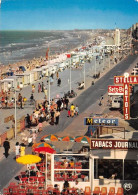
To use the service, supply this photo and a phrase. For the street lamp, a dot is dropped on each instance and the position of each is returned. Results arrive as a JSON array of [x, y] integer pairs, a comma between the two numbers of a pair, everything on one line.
[[70, 75], [15, 113]]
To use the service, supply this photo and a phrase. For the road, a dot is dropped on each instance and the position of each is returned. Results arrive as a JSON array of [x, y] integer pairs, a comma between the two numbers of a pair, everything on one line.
[[9, 168]]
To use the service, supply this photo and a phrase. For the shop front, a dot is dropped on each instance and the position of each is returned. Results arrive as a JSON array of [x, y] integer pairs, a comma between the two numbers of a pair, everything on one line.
[[115, 167]]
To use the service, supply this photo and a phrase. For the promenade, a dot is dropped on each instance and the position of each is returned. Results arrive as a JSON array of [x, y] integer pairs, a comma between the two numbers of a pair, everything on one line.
[[87, 100]]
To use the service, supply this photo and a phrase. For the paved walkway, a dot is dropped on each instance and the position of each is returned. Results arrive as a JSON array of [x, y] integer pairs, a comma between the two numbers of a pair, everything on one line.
[[71, 126]]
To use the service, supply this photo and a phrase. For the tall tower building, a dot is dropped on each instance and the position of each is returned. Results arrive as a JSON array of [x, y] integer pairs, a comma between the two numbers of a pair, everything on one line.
[[117, 37]]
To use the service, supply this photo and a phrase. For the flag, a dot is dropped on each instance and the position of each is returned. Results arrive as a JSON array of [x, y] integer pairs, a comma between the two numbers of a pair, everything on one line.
[[47, 51], [68, 55]]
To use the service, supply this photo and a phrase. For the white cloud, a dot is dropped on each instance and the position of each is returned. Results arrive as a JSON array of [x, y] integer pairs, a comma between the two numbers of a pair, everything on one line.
[[136, 0]]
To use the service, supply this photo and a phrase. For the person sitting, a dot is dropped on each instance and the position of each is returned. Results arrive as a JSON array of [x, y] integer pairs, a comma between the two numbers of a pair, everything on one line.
[[71, 163], [81, 86]]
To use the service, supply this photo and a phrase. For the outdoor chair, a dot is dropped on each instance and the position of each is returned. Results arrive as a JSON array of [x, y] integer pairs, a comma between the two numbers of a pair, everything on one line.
[[96, 190], [120, 191], [103, 191], [24, 180], [6, 191], [111, 191], [41, 180], [87, 190]]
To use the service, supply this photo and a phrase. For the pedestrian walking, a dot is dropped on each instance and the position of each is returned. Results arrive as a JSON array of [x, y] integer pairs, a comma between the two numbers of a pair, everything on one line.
[[22, 149], [6, 146], [33, 88], [59, 102], [42, 87], [57, 75], [20, 100], [17, 149], [59, 82], [76, 110], [28, 120], [68, 113], [72, 110], [57, 114], [39, 88], [66, 103], [52, 117], [34, 135], [45, 91]]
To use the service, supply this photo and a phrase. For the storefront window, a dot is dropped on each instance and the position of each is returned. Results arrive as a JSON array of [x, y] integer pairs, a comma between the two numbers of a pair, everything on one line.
[[130, 170], [109, 169]]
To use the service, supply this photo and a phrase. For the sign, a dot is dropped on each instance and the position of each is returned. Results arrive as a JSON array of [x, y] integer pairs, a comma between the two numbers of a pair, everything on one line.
[[127, 186], [101, 121], [129, 79], [115, 90], [9, 118], [113, 144], [126, 101], [126, 80]]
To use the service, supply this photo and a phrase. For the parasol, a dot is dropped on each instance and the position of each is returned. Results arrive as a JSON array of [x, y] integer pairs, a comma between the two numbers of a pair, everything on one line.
[[28, 159], [45, 150], [50, 137], [67, 138], [42, 144], [82, 139]]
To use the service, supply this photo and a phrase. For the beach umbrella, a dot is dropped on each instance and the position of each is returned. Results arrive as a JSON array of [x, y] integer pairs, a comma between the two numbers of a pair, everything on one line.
[[50, 137], [82, 139], [66, 138], [44, 150], [42, 144], [28, 159]]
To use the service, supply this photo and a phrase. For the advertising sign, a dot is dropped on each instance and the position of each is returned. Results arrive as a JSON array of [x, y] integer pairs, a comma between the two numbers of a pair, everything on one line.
[[115, 90], [129, 79], [113, 144], [126, 102], [101, 121]]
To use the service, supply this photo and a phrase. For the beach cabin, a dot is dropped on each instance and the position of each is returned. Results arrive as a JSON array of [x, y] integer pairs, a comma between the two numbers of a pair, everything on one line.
[[45, 71], [10, 80], [37, 73], [25, 78], [32, 76], [62, 66]]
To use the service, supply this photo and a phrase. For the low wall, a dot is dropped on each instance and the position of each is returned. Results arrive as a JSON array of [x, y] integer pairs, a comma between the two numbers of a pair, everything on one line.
[[10, 133]]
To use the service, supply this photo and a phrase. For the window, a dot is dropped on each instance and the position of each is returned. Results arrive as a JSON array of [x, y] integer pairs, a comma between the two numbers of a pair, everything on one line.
[[130, 170], [110, 169]]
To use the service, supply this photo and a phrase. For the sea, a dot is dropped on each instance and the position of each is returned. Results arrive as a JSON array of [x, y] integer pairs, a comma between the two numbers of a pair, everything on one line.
[[16, 46]]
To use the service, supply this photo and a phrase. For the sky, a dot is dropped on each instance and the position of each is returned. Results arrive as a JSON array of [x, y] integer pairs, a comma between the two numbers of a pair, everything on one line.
[[67, 14]]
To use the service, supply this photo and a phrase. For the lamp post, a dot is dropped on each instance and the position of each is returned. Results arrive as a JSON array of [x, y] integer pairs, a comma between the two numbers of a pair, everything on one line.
[[49, 87], [15, 108], [70, 76], [84, 74], [95, 66]]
